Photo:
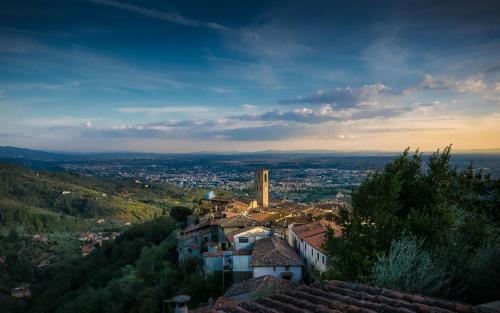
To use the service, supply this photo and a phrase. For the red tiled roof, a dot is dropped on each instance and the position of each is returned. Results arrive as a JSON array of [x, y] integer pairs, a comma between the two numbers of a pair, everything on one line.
[[239, 221], [315, 233], [200, 225], [274, 252], [312, 232], [317, 241], [256, 284], [337, 296], [298, 229], [261, 216]]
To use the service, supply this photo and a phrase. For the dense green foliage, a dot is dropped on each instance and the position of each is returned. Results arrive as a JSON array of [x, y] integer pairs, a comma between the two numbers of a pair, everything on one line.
[[409, 267], [180, 213], [134, 273], [67, 202], [453, 214]]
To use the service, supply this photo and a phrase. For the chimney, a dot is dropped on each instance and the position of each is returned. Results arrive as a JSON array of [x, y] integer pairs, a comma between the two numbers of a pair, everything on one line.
[[181, 303]]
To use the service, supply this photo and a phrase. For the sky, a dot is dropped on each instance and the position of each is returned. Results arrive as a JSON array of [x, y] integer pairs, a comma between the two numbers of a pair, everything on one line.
[[186, 76]]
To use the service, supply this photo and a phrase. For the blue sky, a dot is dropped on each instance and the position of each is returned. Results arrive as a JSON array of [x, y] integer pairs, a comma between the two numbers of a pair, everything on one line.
[[166, 76]]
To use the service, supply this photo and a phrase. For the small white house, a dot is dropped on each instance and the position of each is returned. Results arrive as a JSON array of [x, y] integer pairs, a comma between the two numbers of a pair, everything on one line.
[[274, 257], [244, 239]]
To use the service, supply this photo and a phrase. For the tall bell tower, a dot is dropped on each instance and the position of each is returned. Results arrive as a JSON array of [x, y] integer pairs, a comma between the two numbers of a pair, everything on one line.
[[262, 187]]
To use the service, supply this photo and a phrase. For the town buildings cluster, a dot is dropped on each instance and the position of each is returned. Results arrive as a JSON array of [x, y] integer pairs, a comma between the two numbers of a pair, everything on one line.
[[90, 240], [275, 251], [257, 237], [294, 181]]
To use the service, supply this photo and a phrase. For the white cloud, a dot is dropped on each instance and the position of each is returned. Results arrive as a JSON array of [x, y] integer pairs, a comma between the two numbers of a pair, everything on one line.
[[497, 87], [248, 106], [343, 97], [472, 84]]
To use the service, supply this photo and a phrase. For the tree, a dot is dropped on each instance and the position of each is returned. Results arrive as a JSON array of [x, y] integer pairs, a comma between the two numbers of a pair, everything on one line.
[[433, 202], [180, 213], [410, 268]]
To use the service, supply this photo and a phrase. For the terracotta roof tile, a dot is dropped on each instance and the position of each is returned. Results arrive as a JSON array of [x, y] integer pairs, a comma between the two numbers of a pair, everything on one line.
[[274, 252], [239, 221], [317, 241], [200, 225], [256, 284], [337, 296]]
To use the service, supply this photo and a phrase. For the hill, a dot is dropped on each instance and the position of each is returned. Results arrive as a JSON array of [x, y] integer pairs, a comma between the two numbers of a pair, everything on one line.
[[44, 201]]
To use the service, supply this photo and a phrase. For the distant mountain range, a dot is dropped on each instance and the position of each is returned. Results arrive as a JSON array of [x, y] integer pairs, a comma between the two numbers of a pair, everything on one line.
[[8, 152]]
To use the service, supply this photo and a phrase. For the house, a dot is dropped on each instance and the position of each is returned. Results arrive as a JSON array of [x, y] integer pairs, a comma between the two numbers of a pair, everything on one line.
[[86, 249], [221, 203], [308, 241], [338, 296], [245, 238], [41, 238], [195, 237], [232, 224], [273, 256], [241, 265], [21, 291], [217, 261]]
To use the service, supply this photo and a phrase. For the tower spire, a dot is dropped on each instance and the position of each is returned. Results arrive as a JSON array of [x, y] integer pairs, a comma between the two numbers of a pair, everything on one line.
[[262, 187]]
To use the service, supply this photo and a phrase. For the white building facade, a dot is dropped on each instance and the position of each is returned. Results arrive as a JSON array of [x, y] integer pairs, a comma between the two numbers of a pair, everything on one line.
[[245, 239], [307, 240], [274, 257]]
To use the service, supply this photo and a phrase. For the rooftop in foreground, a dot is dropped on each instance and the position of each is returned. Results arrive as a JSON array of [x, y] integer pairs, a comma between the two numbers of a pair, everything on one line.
[[337, 296]]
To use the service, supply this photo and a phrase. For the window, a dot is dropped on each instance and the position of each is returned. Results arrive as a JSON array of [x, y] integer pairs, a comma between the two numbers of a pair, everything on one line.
[[317, 255], [265, 178], [323, 259], [274, 268], [243, 240], [287, 268], [312, 252]]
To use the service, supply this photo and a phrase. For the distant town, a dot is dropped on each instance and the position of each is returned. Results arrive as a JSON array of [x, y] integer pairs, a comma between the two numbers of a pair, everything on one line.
[[297, 177]]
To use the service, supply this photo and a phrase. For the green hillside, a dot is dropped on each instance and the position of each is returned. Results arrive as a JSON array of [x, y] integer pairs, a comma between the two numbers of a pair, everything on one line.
[[43, 201]]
